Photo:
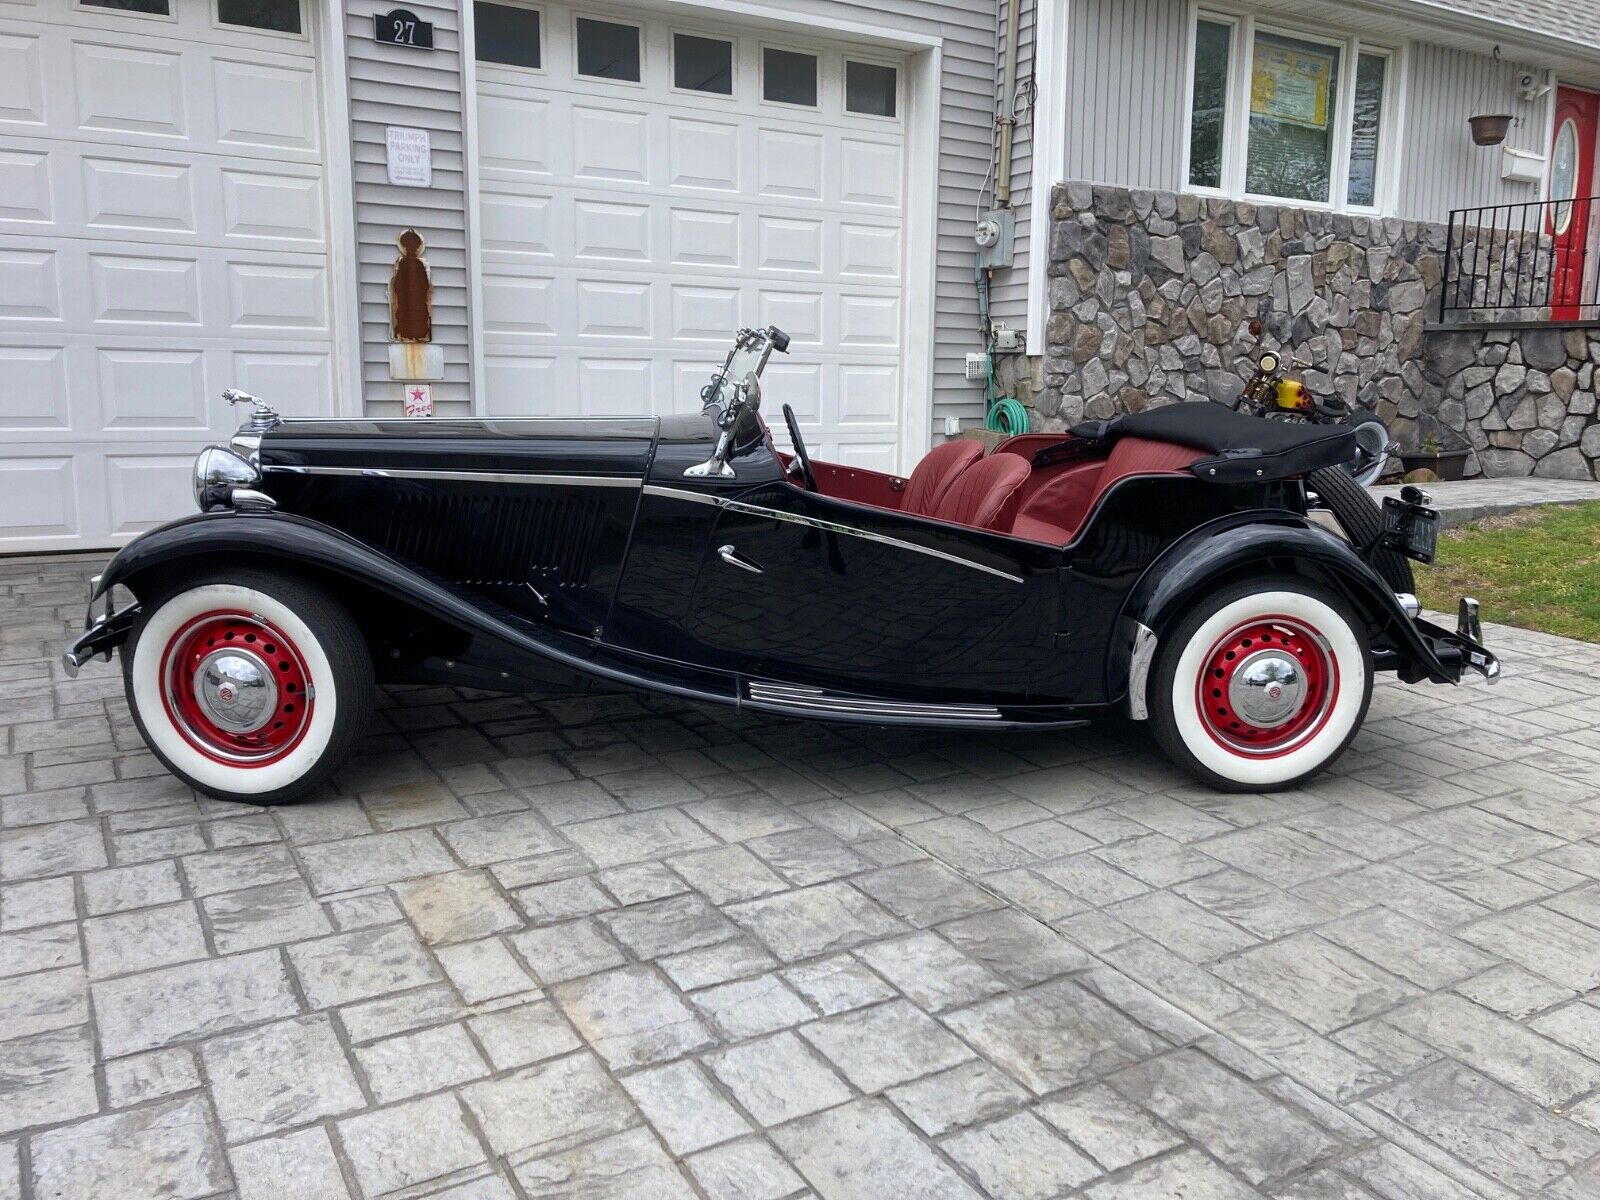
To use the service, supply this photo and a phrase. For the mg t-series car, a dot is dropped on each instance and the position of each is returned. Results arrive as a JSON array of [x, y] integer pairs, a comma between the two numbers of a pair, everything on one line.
[[1165, 566]]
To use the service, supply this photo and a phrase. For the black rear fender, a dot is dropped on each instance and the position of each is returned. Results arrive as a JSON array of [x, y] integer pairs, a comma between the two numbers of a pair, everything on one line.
[[1261, 543]]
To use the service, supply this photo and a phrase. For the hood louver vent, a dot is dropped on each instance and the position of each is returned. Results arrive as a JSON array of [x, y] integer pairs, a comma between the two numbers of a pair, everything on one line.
[[494, 541]]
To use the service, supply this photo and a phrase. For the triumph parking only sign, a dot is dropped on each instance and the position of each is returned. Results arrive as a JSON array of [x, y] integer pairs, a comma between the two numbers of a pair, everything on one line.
[[409, 156]]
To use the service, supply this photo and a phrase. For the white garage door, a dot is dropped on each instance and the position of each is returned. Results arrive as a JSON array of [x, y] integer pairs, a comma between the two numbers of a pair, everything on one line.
[[648, 186], [162, 236]]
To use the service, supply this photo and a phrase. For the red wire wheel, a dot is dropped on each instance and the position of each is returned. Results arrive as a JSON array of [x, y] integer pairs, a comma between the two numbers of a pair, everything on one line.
[[1268, 686], [236, 689]]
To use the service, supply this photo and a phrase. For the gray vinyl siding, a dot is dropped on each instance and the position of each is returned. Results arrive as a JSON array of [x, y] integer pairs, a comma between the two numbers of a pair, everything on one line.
[[1442, 168], [1125, 72], [1008, 297], [390, 85], [966, 137]]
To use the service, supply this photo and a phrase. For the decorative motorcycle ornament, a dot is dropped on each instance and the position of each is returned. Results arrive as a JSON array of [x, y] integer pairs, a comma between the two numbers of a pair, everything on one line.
[[1293, 396]]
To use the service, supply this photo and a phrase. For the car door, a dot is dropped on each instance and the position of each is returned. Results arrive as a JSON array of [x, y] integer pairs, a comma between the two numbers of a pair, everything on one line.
[[800, 588]]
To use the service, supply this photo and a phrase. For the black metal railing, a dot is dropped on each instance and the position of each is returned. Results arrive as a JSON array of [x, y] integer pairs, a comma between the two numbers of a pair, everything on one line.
[[1538, 261]]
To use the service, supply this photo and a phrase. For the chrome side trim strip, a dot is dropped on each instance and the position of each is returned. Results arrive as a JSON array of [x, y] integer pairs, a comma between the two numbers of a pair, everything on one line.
[[533, 478], [370, 420], [815, 700], [667, 493], [757, 510], [1144, 653]]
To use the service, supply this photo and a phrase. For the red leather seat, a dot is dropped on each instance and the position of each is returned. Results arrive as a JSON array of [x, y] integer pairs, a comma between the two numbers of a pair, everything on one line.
[[932, 477], [980, 494], [1057, 511]]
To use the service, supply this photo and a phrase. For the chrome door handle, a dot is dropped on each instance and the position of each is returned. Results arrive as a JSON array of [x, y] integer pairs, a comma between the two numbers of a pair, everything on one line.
[[734, 559]]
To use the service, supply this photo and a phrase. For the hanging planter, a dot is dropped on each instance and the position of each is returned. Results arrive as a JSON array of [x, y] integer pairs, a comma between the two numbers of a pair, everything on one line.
[[1490, 129]]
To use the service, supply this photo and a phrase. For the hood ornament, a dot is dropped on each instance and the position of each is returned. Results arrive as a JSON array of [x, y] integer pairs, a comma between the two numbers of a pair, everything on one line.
[[262, 415]]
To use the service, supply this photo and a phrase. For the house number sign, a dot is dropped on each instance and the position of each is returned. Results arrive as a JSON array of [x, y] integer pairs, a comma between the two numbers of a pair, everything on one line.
[[402, 27]]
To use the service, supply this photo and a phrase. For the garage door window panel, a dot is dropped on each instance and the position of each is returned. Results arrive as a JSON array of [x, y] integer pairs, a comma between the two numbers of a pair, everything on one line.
[[788, 77], [508, 35], [609, 50], [702, 65], [266, 16], [141, 8], [870, 89]]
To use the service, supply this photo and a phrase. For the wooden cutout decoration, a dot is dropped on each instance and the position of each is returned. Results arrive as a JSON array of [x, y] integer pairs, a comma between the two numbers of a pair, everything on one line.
[[410, 292]]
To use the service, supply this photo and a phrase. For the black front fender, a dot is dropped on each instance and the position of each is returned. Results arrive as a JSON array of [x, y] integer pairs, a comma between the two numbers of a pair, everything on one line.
[[489, 645], [1269, 541]]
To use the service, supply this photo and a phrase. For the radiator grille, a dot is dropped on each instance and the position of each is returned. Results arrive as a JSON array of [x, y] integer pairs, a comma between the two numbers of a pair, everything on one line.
[[491, 541]]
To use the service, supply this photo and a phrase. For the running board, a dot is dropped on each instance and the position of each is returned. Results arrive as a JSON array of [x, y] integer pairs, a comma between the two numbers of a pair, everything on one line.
[[814, 702]]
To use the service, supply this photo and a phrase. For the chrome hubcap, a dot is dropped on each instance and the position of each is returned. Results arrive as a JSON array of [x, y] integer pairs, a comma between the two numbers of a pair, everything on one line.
[[1267, 689], [236, 689]]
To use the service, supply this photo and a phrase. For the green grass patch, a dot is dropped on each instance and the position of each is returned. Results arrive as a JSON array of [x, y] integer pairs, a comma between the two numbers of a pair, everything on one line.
[[1538, 569]]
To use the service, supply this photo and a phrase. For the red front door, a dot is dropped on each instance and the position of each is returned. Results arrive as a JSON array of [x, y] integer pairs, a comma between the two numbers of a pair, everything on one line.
[[1572, 222]]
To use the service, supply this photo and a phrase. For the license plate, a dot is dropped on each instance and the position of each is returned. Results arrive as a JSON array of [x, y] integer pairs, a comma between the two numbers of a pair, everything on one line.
[[1411, 529]]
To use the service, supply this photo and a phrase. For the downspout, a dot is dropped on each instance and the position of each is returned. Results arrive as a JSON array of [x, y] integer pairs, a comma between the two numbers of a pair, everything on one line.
[[1007, 120]]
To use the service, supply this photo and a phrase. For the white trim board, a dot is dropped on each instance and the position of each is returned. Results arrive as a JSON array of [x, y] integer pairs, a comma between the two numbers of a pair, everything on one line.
[[1049, 150], [339, 196], [470, 217]]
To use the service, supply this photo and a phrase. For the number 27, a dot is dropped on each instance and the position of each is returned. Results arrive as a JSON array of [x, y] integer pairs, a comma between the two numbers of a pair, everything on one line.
[[405, 31]]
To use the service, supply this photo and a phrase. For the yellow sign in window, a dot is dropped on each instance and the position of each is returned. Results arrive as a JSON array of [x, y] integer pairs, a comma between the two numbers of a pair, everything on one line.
[[1291, 84]]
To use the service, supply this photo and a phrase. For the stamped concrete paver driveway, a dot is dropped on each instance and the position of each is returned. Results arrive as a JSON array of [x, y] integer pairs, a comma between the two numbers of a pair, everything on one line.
[[616, 947]]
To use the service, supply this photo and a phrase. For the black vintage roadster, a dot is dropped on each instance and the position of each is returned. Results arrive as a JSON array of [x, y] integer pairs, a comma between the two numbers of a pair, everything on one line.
[[1165, 565]]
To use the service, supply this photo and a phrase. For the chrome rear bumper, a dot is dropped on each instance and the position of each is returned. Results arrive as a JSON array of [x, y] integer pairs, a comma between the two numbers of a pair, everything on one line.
[[103, 631]]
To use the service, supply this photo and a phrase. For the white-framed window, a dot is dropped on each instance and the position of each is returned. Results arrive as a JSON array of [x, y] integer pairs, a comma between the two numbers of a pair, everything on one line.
[[1290, 114]]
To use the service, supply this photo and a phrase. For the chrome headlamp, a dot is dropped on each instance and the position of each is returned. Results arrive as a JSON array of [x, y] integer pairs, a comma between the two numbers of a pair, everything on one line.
[[223, 479]]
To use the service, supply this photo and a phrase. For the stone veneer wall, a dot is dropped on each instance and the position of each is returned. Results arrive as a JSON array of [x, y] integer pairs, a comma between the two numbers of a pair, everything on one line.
[[1151, 295], [1523, 399]]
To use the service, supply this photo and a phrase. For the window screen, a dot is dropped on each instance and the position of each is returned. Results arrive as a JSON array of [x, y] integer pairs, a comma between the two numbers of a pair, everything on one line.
[[1209, 110], [1365, 129]]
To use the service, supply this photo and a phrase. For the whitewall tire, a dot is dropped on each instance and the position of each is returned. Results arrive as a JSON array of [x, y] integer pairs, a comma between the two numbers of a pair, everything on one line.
[[248, 685], [1261, 685]]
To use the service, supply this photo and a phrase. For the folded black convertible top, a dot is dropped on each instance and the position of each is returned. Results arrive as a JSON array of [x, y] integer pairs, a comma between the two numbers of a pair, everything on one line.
[[1244, 448]]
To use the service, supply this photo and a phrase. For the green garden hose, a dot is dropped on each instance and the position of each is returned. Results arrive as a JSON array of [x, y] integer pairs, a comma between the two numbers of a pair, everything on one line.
[[1007, 416]]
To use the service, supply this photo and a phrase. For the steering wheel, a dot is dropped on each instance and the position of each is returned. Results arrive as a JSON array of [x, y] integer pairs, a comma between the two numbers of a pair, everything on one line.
[[800, 464]]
